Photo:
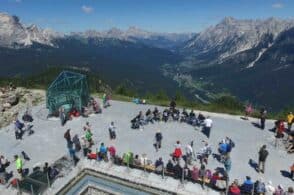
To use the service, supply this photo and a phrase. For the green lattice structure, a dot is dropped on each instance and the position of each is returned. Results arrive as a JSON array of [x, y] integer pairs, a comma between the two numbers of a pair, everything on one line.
[[69, 90]]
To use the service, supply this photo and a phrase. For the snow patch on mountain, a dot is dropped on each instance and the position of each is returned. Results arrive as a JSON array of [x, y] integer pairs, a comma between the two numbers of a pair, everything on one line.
[[262, 51], [13, 32], [232, 36]]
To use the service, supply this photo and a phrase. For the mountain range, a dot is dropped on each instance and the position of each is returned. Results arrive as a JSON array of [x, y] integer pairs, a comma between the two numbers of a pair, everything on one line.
[[251, 59]]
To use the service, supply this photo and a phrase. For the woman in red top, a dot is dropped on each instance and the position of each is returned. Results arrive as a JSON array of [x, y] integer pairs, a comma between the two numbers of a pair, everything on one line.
[[234, 189]]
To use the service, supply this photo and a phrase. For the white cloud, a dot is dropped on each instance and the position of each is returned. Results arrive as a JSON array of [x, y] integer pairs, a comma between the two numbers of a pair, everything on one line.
[[87, 9], [277, 5]]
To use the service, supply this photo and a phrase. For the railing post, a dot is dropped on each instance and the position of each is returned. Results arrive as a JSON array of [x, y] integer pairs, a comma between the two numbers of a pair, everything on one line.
[[183, 178], [48, 180], [17, 185], [32, 190], [227, 185]]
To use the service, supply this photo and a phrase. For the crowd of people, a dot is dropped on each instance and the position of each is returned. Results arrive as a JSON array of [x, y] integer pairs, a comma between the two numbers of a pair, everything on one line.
[[172, 114], [184, 163], [93, 107]]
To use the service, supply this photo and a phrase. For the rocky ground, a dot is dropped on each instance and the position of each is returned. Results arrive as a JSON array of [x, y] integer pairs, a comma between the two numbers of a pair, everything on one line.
[[12, 100]]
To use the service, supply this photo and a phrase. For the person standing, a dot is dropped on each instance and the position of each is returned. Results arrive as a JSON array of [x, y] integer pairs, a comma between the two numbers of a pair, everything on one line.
[[67, 136], [189, 153], [263, 114], [228, 164], [85, 146], [263, 153], [207, 126], [111, 129], [62, 116], [19, 165], [290, 120], [88, 137], [77, 143], [72, 154], [159, 166], [158, 139], [248, 111]]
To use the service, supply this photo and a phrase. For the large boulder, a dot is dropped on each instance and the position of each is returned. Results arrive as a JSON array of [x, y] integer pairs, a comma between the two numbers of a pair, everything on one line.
[[12, 99]]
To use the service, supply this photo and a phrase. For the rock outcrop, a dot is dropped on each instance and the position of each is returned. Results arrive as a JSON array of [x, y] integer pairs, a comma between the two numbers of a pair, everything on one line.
[[12, 100]]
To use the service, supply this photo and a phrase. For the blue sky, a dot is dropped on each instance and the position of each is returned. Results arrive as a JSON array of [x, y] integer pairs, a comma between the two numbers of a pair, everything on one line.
[[152, 15]]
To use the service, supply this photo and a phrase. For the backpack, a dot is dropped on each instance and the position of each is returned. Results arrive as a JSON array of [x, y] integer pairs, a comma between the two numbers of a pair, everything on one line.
[[229, 148]]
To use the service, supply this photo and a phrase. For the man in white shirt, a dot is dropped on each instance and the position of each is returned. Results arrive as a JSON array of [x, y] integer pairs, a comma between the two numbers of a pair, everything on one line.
[[189, 153], [207, 126], [111, 129]]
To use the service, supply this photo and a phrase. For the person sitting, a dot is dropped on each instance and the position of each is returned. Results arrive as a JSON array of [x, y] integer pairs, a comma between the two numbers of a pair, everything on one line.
[[177, 170], [156, 114], [112, 152], [176, 115], [234, 188], [149, 116], [136, 100], [279, 190], [200, 118], [138, 121], [280, 128], [4, 162], [195, 173], [192, 118], [259, 187], [170, 166], [137, 160], [159, 166], [18, 129], [106, 100], [247, 186], [27, 117], [140, 118], [184, 116], [214, 178], [165, 115], [96, 107], [4, 176], [53, 173]]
